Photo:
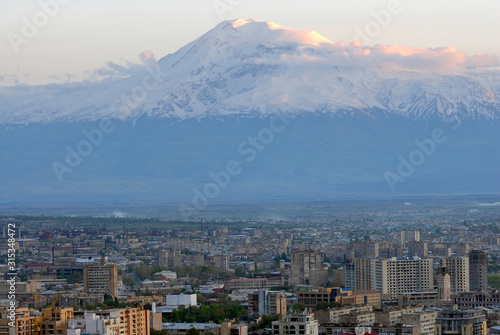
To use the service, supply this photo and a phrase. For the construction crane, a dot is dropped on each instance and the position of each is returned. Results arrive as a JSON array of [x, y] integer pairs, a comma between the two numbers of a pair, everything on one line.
[[283, 319], [35, 295], [44, 316]]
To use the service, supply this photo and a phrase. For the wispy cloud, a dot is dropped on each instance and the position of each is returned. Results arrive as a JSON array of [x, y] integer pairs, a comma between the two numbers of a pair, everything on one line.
[[392, 58], [112, 70], [396, 57]]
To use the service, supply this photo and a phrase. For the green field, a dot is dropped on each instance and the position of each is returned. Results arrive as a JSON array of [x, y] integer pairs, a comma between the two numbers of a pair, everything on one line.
[[494, 280]]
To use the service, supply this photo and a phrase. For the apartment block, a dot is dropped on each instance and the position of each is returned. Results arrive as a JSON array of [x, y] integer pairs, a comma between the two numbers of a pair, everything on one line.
[[133, 321], [307, 268], [418, 248], [458, 269], [391, 276], [100, 279], [478, 270], [267, 302]]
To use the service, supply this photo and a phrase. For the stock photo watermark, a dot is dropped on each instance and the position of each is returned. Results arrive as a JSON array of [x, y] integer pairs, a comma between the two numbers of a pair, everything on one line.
[[94, 137], [248, 151], [30, 27], [381, 19], [11, 275], [425, 148], [223, 6]]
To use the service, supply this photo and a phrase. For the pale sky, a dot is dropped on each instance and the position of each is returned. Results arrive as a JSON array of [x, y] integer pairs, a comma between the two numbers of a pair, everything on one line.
[[78, 37]]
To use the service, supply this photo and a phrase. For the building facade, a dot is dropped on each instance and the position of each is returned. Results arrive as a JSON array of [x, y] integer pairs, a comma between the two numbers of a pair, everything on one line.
[[307, 268], [461, 322], [475, 299], [100, 279], [296, 324], [458, 269], [391, 276], [267, 302], [478, 270]]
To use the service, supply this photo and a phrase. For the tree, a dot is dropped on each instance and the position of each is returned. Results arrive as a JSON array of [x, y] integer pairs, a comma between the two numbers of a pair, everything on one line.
[[193, 331], [239, 271], [322, 305], [299, 307], [265, 322], [129, 280], [76, 277], [285, 257], [200, 298]]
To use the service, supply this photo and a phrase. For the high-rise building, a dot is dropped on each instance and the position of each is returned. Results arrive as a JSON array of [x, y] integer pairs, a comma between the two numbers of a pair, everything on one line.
[[267, 302], [307, 268], [413, 235], [100, 279], [163, 258], [478, 270], [458, 268], [418, 248], [462, 249], [441, 250], [359, 274], [366, 249], [399, 237], [390, 276]]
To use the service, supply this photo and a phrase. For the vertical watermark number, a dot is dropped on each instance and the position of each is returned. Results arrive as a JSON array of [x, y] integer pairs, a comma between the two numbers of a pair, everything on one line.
[[12, 274]]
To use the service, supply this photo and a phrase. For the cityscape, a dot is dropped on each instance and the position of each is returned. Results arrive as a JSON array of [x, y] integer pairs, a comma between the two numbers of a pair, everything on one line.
[[428, 266]]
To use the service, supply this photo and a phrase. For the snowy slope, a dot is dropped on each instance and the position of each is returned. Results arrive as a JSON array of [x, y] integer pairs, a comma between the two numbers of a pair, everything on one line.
[[254, 68]]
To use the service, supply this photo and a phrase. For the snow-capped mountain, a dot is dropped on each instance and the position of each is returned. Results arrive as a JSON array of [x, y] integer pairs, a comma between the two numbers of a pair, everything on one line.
[[253, 67], [252, 110]]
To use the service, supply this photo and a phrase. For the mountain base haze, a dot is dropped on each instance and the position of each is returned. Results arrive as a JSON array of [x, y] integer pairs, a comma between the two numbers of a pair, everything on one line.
[[312, 156]]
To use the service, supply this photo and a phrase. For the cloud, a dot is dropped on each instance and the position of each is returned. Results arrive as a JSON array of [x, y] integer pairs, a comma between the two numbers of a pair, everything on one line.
[[112, 70], [443, 59], [393, 57]]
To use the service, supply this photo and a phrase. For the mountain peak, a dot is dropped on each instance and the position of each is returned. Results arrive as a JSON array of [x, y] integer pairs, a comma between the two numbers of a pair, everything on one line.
[[272, 32], [253, 67]]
